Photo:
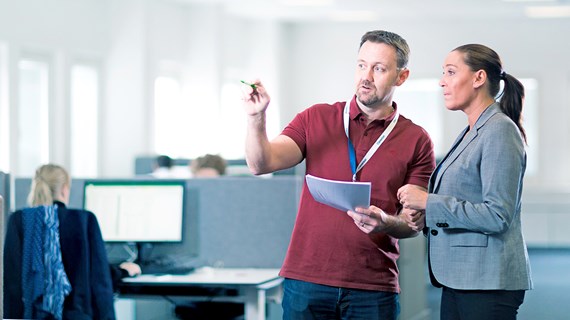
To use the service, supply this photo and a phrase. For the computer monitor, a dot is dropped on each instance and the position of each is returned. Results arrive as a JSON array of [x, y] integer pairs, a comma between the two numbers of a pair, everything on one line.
[[138, 211]]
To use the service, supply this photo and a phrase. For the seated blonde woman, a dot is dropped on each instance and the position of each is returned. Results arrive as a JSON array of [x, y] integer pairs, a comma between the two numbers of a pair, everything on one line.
[[87, 282]]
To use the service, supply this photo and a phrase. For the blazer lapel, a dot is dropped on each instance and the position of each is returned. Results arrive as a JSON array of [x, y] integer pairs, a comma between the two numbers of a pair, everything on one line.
[[458, 146], [462, 141]]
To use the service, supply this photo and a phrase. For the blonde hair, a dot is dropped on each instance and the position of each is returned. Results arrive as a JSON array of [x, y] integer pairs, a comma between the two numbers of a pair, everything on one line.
[[48, 184]]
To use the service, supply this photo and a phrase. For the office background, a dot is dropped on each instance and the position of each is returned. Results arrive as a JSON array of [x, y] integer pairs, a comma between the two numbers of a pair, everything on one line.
[[208, 45], [93, 84], [125, 51]]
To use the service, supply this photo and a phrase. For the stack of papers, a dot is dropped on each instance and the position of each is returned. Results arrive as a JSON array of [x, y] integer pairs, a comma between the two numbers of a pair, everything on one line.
[[342, 195]]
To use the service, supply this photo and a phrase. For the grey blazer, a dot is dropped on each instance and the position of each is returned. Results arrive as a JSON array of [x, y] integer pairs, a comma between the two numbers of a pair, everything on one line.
[[473, 211]]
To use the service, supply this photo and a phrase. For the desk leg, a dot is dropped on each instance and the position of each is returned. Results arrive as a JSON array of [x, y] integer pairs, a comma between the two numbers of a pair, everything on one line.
[[255, 300]]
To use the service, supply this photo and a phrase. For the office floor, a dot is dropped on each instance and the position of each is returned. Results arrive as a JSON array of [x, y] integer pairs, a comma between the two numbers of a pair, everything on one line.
[[549, 299]]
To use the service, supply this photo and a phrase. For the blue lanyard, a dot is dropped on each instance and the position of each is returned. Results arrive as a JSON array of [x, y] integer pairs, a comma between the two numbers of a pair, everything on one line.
[[370, 153]]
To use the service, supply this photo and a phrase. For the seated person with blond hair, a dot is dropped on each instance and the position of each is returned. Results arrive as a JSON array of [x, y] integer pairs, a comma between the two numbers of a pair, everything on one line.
[[74, 262]]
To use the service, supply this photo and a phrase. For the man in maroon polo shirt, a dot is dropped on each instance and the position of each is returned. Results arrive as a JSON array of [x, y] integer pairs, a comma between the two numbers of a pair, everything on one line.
[[342, 265]]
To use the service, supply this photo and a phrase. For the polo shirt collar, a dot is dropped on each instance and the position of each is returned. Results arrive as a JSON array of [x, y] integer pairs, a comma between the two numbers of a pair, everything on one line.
[[355, 111]]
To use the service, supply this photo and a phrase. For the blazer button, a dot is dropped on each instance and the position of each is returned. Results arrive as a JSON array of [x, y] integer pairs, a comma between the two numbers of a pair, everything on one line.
[[434, 232]]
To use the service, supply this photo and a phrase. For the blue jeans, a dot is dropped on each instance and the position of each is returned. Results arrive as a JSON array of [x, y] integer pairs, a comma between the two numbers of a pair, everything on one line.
[[480, 304], [305, 300]]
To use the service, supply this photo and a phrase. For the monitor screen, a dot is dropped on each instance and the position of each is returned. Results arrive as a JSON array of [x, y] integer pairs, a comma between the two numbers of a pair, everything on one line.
[[137, 211]]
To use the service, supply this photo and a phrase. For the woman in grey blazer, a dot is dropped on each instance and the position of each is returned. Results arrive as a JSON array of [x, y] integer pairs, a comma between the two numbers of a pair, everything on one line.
[[471, 211]]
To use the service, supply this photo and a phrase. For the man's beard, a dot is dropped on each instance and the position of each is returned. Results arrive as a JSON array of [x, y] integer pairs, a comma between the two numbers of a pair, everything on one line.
[[368, 100]]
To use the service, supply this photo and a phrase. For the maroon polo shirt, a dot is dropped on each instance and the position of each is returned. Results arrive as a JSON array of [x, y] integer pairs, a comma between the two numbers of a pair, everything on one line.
[[326, 246]]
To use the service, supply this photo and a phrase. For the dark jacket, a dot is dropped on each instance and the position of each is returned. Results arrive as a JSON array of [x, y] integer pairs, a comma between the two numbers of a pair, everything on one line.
[[84, 260]]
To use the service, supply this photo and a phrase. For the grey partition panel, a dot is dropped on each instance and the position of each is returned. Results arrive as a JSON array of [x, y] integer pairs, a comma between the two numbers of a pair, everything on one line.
[[22, 189], [1, 255], [4, 209], [5, 193], [237, 222], [76, 193], [246, 222], [145, 165], [229, 221]]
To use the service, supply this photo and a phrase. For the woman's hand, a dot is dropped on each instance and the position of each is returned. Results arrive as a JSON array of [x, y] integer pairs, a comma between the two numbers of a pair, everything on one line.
[[413, 197]]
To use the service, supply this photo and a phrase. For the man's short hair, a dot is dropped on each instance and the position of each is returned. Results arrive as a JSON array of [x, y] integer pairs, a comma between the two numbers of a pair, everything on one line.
[[391, 39]]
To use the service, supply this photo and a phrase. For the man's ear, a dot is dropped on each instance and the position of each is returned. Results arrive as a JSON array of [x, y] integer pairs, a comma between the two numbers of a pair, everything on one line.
[[402, 76]]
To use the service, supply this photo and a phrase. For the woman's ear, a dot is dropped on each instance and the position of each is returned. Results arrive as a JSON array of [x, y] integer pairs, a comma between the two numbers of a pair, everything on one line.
[[479, 78]]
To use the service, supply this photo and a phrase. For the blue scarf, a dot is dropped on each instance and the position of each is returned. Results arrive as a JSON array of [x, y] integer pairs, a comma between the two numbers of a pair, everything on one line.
[[44, 281]]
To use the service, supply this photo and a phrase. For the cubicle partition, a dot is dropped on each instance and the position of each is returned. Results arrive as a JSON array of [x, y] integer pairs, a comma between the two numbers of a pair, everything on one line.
[[22, 189], [5, 193], [2, 255], [4, 209], [144, 165], [229, 221], [246, 222], [237, 222]]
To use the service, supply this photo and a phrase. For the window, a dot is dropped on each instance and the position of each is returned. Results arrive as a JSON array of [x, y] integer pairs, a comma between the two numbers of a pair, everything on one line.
[[234, 120], [175, 132], [233, 117], [190, 128], [421, 101], [33, 115], [84, 120]]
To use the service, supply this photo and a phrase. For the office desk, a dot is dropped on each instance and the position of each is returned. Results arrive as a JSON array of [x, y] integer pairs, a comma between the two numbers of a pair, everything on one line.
[[252, 286]]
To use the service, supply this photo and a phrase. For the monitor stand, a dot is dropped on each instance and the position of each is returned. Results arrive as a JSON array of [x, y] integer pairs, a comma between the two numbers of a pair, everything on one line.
[[144, 250]]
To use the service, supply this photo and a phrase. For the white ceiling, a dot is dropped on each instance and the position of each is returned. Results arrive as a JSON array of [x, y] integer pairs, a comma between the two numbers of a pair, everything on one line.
[[372, 10]]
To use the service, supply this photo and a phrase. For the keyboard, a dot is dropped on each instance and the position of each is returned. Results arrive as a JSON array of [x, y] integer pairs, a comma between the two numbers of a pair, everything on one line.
[[168, 265]]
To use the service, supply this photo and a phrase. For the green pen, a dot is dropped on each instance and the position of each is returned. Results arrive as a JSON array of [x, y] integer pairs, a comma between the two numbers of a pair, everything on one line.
[[253, 86]]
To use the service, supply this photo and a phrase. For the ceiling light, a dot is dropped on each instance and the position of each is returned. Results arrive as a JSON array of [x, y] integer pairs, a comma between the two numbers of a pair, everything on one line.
[[547, 11], [354, 16], [529, 0], [306, 3]]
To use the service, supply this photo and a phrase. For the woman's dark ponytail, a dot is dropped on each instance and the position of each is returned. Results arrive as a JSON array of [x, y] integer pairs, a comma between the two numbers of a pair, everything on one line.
[[512, 100]]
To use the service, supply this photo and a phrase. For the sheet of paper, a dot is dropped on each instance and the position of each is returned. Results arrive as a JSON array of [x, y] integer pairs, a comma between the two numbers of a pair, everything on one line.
[[342, 195]]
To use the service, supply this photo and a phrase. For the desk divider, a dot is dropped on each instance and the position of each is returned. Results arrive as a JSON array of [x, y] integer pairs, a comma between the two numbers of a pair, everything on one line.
[[229, 221]]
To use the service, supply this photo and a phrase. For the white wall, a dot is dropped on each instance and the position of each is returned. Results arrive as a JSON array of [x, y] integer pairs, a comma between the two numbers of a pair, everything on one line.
[[322, 58], [124, 117]]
